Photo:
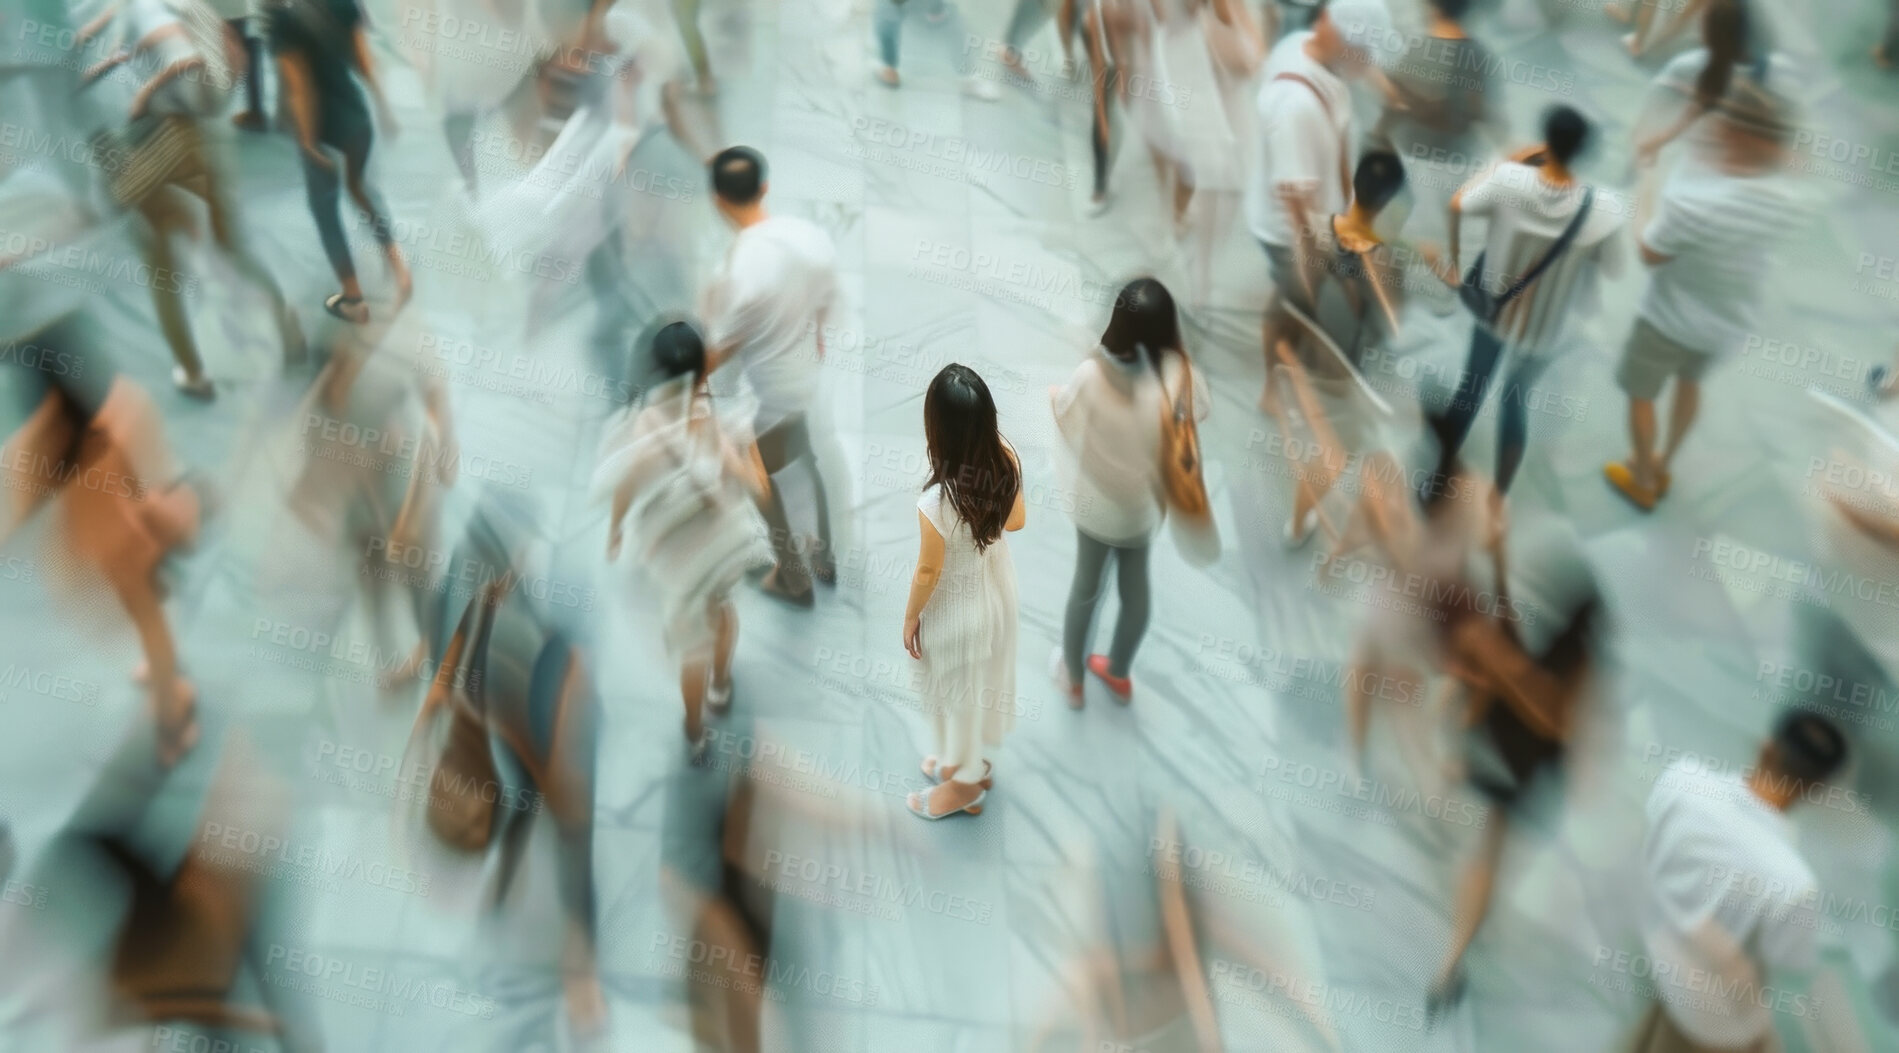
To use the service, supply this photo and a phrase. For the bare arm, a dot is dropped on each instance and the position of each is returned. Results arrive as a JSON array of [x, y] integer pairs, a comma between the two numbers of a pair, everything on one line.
[[295, 71], [1019, 511], [922, 585]]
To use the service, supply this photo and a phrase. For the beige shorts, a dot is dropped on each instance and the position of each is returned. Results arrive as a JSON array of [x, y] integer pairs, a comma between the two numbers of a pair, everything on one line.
[[1658, 1033], [1650, 358]]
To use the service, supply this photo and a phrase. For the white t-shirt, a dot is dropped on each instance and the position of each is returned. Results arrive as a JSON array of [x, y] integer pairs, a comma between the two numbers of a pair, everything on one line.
[[1731, 904], [1110, 418], [1720, 230], [1526, 217], [768, 299], [1302, 135]]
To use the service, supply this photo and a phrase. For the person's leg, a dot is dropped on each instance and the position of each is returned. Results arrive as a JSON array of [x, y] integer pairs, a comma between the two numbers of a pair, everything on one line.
[[1513, 420], [355, 174], [822, 558], [1479, 366], [775, 451], [724, 642], [164, 218], [252, 116], [1472, 904], [323, 188], [692, 687], [686, 13], [1024, 21], [459, 130], [227, 231], [1130, 567], [886, 20], [1681, 417], [1084, 592]]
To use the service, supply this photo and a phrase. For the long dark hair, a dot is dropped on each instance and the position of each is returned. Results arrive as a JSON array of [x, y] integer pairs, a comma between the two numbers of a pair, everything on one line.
[[1144, 317], [1728, 32], [967, 457]]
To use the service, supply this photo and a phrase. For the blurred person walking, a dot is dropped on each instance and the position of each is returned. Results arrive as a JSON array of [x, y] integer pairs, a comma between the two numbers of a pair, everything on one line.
[[1734, 66], [1303, 172], [1729, 895], [886, 23], [321, 49], [665, 468], [1550, 239], [1441, 92], [1710, 247], [766, 310], [960, 622], [1110, 417]]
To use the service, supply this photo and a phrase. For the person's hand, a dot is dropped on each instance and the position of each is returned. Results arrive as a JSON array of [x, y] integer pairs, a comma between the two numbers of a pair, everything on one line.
[[913, 635], [315, 154], [1470, 639]]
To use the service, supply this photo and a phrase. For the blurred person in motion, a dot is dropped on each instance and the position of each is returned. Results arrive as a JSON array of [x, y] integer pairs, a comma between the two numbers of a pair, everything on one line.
[[246, 49], [664, 466], [765, 312], [1729, 896], [510, 729], [1441, 95], [1304, 168], [886, 23], [1109, 36], [1109, 415], [168, 57], [1187, 131], [1710, 249], [1525, 686], [1734, 65], [321, 49], [1356, 290], [1550, 239], [960, 622]]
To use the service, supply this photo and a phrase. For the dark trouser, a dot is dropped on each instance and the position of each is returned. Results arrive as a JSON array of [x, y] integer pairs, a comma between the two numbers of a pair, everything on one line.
[[780, 446], [1098, 135], [1513, 425], [1084, 594], [324, 186], [253, 66]]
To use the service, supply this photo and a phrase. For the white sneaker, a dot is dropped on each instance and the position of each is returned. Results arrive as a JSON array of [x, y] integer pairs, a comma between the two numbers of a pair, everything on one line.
[[201, 388], [977, 88]]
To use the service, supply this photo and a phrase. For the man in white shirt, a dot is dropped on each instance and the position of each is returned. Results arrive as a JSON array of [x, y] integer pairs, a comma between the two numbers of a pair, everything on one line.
[[765, 313], [1730, 906], [1303, 175], [1709, 247], [1530, 201]]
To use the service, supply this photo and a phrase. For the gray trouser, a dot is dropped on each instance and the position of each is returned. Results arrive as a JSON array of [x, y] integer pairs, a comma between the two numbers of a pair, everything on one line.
[[1091, 574]]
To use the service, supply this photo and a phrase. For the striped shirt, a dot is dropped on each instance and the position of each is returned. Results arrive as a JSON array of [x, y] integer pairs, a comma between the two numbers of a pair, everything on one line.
[[1527, 216]]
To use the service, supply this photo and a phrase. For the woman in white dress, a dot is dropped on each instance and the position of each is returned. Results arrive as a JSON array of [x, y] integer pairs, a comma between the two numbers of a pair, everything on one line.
[[961, 619], [667, 471], [1180, 107]]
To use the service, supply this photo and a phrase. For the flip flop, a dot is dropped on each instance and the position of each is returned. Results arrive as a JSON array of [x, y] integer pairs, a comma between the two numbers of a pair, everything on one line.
[[337, 302], [1623, 480]]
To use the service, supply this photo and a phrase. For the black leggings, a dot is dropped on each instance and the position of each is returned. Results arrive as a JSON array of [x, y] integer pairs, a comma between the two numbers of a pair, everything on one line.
[[324, 186]]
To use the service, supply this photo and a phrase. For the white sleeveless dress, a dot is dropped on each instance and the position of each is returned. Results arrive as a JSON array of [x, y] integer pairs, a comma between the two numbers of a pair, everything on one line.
[[968, 630]]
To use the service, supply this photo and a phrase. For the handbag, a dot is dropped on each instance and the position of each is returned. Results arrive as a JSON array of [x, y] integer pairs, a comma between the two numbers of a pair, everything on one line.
[[1486, 305], [1181, 481], [462, 795]]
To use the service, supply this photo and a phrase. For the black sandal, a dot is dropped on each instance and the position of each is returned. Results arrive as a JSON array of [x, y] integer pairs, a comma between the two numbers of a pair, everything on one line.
[[336, 303]]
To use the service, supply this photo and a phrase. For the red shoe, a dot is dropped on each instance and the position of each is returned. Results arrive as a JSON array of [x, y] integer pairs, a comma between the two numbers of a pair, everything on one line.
[[1122, 686]]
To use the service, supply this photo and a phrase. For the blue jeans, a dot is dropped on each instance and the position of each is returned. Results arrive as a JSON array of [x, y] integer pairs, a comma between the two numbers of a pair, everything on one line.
[[1513, 424], [886, 20]]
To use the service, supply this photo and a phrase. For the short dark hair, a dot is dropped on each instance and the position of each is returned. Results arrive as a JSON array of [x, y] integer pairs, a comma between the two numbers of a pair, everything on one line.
[[677, 350], [1808, 746], [1451, 9], [1379, 177], [1565, 132], [738, 175]]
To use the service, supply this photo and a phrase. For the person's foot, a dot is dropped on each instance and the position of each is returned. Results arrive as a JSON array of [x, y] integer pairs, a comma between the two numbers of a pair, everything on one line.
[[980, 89], [887, 76], [290, 331], [696, 752], [937, 16], [1634, 46], [1123, 687], [1445, 992], [1069, 686], [718, 696], [936, 771], [1629, 484], [1098, 204], [195, 387], [350, 309], [947, 799], [773, 585], [251, 121]]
